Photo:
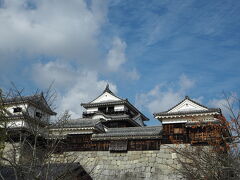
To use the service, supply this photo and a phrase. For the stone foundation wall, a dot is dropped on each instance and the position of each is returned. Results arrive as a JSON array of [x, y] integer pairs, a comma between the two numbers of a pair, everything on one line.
[[132, 165], [145, 165], [10, 152]]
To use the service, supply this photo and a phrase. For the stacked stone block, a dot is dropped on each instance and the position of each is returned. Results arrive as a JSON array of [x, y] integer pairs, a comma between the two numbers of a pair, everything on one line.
[[104, 165]]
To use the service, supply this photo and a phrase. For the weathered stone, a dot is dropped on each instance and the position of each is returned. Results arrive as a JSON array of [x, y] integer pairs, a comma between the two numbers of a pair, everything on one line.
[[133, 165]]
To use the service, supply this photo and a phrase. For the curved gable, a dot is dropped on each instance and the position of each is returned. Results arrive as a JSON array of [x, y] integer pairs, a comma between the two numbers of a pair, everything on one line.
[[187, 105], [106, 97]]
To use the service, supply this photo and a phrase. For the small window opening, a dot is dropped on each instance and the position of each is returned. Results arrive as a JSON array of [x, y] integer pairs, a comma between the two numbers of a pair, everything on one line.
[[38, 114], [111, 109], [102, 109], [17, 109]]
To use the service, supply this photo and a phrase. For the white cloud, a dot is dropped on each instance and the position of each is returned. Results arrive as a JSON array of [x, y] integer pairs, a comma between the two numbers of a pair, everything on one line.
[[87, 87], [62, 74], [53, 28], [162, 97], [185, 82], [218, 103], [78, 85], [158, 99], [116, 58], [133, 74], [60, 29], [116, 55], [225, 103], [64, 37]]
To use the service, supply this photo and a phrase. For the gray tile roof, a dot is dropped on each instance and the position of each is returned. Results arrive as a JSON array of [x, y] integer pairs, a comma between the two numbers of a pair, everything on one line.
[[120, 117], [82, 123], [117, 116], [86, 105], [130, 132], [210, 110]]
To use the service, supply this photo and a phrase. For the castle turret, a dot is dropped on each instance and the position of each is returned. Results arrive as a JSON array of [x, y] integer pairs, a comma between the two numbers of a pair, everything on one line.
[[190, 122]]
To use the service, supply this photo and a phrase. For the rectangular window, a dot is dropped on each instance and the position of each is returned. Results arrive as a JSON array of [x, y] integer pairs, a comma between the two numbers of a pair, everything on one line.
[[102, 109], [17, 109]]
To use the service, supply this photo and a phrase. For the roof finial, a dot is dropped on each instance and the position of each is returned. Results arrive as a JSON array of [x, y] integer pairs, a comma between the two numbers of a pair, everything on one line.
[[107, 87], [186, 97]]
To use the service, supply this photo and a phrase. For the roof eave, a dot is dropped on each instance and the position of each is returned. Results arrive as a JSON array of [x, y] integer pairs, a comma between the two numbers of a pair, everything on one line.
[[165, 114], [87, 105], [142, 115], [126, 102], [126, 137]]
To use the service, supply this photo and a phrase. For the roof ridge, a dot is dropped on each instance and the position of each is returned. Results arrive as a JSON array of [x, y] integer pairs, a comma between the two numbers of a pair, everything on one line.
[[138, 127]]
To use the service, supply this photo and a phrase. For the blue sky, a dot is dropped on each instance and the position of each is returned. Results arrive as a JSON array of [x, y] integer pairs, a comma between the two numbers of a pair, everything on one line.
[[151, 52]]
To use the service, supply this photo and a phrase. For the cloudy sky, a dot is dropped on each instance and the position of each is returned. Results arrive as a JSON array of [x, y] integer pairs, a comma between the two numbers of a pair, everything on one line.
[[151, 52]]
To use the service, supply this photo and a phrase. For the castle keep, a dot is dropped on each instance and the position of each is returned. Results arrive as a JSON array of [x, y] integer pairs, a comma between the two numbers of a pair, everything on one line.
[[113, 124]]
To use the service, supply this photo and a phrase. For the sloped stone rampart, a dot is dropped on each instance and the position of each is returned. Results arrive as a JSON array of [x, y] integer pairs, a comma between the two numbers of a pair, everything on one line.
[[142, 165]]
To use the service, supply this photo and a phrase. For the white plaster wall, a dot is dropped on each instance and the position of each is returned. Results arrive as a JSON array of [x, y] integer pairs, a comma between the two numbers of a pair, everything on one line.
[[89, 110], [98, 117], [32, 112], [23, 106], [120, 108], [30, 109], [187, 105], [106, 97]]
